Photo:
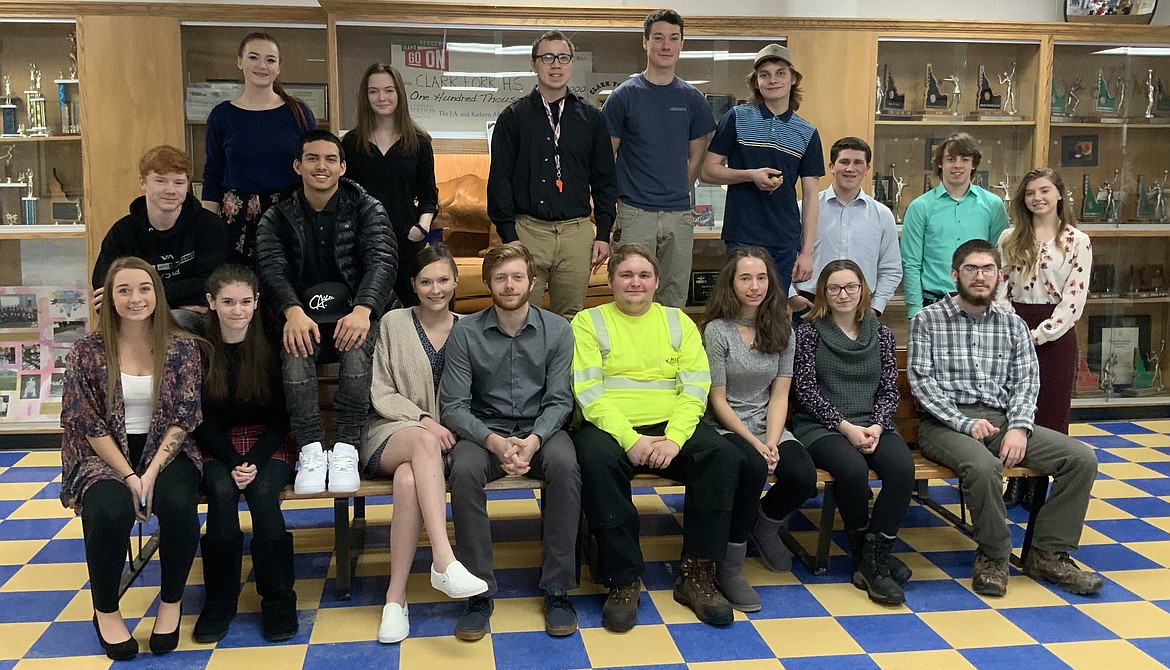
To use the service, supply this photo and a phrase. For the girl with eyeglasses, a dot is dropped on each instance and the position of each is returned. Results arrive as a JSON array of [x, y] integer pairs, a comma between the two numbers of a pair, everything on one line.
[[748, 336], [1046, 281], [847, 391]]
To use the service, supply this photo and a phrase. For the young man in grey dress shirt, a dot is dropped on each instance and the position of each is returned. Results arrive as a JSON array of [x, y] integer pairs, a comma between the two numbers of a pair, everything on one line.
[[506, 392], [973, 369], [852, 225]]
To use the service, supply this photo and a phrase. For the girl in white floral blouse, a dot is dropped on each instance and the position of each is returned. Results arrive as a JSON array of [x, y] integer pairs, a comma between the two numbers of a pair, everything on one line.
[[1046, 265]]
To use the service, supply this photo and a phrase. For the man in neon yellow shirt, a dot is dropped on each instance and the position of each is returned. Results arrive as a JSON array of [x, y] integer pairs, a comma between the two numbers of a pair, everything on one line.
[[640, 376]]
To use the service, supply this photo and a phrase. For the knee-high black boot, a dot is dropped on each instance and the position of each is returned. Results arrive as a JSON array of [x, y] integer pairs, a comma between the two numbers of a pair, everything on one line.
[[273, 563], [221, 588]]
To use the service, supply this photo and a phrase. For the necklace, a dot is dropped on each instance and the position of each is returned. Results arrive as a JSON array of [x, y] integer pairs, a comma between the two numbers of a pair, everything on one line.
[[748, 323]]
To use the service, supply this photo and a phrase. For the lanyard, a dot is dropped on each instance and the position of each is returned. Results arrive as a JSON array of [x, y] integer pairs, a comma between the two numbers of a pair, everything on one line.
[[556, 131]]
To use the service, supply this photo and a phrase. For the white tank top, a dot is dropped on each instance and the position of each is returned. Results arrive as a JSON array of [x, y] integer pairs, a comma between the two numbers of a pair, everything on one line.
[[136, 392]]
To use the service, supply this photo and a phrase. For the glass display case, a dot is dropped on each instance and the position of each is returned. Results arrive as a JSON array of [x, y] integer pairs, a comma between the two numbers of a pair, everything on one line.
[[1110, 124], [43, 269]]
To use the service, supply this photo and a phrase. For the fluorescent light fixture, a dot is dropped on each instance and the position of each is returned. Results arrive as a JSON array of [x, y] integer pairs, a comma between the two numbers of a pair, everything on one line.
[[489, 74], [1134, 51], [480, 89], [717, 55], [485, 48]]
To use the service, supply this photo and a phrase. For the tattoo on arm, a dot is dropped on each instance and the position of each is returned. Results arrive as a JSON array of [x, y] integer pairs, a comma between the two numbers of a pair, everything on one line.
[[173, 446]]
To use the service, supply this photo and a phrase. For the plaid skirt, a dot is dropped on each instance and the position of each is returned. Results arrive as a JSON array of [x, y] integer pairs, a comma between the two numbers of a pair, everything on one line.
[[243, 438]]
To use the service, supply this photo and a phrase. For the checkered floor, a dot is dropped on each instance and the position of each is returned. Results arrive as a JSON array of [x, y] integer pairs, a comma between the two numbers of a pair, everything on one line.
[[806, 621]]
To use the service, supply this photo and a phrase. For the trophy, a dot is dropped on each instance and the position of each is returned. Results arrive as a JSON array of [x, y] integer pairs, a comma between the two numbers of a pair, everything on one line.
[[953, 105], [1113, 198], [29, 201], [1091, 208], [1088, 384], [1151, 89], [10, 191], [936, 101], [992, 107], [880, 96], [893, 105], [927, 185], [8, 112], [1108, 376], [69, 93], [898, 184], [1143, 377], [1006, 187], [1151, 206], [1009, 98], [1109, 105], [37, 123]]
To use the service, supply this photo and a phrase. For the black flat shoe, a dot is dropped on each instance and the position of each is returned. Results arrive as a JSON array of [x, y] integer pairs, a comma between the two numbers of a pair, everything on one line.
[[119, 651], [164, 643], [1014, 494]]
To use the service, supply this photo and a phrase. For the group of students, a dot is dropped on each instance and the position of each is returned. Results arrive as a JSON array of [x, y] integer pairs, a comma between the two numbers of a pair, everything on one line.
[[582, 398]]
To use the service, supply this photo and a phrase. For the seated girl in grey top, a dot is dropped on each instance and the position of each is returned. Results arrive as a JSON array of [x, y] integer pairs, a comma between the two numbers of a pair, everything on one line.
[[748, 336]]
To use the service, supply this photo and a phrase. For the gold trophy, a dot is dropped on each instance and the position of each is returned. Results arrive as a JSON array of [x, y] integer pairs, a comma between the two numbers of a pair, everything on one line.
[[37, 122]]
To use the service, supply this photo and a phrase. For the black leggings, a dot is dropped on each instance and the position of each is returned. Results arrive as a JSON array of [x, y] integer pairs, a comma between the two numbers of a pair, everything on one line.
[[850, 469], [263, 496], [796, 477], [107, 518]]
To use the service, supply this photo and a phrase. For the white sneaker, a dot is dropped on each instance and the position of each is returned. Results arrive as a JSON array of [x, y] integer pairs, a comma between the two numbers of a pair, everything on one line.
[[457, 582], [311, 473], [343, 469], [395, 625]]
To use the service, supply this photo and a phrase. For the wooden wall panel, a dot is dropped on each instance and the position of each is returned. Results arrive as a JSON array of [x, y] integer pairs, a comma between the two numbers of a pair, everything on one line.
[[132, 95], [839, 68]]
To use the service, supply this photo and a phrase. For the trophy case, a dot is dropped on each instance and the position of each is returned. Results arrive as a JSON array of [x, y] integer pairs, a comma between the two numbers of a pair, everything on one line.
[[1110, 125], [210, 75], [43, 267]]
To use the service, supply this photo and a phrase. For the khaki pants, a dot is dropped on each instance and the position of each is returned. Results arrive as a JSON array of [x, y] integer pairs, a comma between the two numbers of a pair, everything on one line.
[[562, 251], [671, 236]]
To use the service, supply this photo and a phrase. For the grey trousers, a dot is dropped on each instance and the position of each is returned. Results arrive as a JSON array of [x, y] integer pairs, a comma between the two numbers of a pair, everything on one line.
[[555, 462], [1071, 463], [671, 236]]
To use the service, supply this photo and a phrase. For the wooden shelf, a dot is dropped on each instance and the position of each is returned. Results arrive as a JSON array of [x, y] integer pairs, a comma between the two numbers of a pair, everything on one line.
[[1124, 301], [46, 232], [48, 138], [1126, 229], [952, 121], [709, 235], [30, 427], [1098, 124], [1118, 400]]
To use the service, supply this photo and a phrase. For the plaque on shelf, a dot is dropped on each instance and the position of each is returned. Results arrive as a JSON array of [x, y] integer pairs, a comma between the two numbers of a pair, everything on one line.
[[1088, 384], [884, 188], [1111, 107], [1143, 377], [702, 285], [64, 209], [1148, 281], [1103, 281], [893, 105], [1064, 107], [991, 107], [8, 112], [936, 102], [1091, 208]]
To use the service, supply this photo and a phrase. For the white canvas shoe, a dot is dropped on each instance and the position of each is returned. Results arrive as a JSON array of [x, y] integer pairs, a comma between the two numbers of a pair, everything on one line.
[[311, 470], [395, 625], [343, 469], [457, 582]]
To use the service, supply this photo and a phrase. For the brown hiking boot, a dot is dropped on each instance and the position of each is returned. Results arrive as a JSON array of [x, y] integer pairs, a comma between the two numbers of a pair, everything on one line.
[[620, 612], [989, 577], [1056, 567], [695, 588]]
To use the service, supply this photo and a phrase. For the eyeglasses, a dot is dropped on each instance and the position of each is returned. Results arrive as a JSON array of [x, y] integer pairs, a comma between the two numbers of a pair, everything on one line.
[[849, 289], [985, 270], [547, 59]]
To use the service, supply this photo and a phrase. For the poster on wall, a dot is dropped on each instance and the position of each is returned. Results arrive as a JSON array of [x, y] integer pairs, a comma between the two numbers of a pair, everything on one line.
[[38, 325], [456, 88]]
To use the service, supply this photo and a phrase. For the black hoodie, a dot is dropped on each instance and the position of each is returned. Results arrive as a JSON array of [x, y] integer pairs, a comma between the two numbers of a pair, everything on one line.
[[184, 256]]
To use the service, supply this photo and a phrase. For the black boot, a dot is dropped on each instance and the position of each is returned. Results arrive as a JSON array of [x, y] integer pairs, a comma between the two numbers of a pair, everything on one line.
[[874, 571], [1014, 494], [221, 588], [273, 562], [899, 571]]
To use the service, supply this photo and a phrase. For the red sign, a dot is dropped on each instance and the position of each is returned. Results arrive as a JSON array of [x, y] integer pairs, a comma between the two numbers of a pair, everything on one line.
[[427, 58]]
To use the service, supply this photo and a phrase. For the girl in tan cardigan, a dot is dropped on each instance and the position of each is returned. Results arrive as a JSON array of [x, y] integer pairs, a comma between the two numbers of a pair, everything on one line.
[[404, 439]]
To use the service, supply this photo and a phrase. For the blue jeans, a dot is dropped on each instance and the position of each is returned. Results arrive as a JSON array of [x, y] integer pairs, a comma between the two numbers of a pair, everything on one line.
[[350, 403], [783, 259]]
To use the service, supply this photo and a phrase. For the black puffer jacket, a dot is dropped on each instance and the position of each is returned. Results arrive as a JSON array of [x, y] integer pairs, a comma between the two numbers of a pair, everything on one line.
[[367, 252]]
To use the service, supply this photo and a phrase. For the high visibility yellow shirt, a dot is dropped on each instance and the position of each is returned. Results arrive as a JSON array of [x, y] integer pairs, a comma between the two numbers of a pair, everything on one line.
[[639, 371]]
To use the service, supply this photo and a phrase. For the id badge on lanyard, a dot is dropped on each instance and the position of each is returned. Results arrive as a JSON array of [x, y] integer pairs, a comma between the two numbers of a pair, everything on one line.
[[556, 131]]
